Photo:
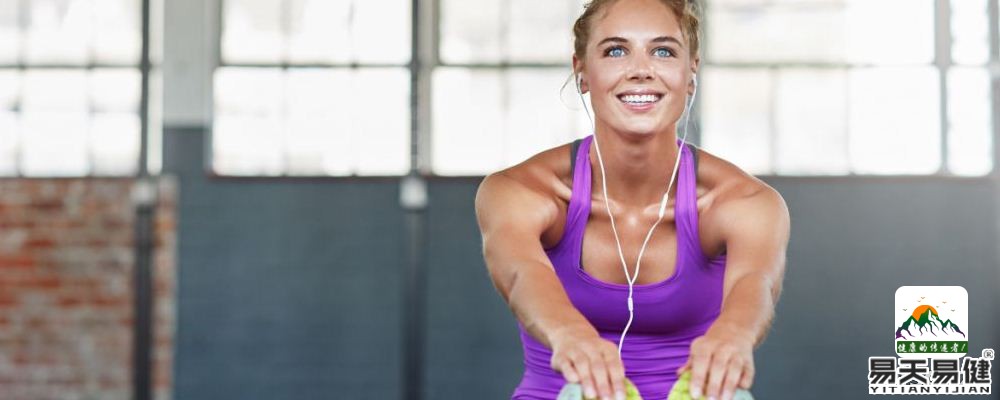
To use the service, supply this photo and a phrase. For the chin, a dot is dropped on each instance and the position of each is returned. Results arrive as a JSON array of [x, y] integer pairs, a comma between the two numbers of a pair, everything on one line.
[[641, 129]]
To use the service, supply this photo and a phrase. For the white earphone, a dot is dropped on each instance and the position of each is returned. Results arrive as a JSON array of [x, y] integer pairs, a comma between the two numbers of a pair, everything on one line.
[[663, 203]]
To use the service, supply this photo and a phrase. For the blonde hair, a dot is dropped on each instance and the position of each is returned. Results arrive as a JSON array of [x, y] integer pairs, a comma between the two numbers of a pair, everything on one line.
[[685, 11]]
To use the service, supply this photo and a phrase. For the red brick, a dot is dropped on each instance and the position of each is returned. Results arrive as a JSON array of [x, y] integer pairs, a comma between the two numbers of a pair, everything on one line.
[[77, 238], [16, 261]]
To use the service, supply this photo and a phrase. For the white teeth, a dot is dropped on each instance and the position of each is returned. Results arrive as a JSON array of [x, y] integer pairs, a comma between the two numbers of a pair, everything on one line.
[[635, 98]]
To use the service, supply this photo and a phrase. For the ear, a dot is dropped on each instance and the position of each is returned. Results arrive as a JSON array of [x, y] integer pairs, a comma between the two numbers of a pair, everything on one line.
[[578, 74], [694, 70]]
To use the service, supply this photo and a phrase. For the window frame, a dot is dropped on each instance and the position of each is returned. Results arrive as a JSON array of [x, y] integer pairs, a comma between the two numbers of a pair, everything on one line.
[[412, 66], [942, 62], [426, 58], [144, 65]]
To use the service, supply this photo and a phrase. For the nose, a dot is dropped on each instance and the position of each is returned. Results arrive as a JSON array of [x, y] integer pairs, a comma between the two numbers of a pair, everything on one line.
[[640, 69]]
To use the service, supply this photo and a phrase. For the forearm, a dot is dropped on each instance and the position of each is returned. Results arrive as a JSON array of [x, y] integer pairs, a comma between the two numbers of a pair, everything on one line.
[[749, 308], [539, 302]]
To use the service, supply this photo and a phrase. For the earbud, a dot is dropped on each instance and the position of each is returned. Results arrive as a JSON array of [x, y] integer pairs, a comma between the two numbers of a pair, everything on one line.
[[579, 85]]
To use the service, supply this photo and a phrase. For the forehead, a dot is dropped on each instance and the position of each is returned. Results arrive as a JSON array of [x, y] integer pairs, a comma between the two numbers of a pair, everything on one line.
[[636, 20]]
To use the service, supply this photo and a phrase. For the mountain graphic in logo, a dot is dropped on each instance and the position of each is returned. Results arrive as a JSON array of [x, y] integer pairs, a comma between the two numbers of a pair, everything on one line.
[[926, 321]]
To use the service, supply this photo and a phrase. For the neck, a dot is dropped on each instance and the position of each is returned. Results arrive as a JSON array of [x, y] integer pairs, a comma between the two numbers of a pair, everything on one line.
[[638, 167]]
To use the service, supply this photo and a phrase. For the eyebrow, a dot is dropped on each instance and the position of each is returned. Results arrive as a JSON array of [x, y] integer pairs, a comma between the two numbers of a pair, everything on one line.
[[658, 39]]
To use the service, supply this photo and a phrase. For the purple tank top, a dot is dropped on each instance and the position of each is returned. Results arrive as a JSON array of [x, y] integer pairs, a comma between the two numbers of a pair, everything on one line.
[[668, 314]]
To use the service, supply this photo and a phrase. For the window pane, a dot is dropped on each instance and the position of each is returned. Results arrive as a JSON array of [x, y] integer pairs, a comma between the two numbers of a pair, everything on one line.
[[382, 31], [8, 142], [58, 31], [319, 31], [247, 145], [115, 89], [382, 131], [252, 31], [10, 88], [247, 136], [541, 31], [894, 120], [114, 143], [868, 31], [320, 122], [468, 121], [970, 33], [970, 144], [811, 123], [51, 90], [735, 113], [538, 119], [10, 32], [118, 33], [890, 31], [54, 143], [254, 91], [312, 121], [761, 34], [516, 113], [470, 31]]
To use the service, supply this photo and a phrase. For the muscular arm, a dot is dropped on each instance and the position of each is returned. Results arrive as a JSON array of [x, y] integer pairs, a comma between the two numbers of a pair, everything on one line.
[[512, 218], [756, 230]]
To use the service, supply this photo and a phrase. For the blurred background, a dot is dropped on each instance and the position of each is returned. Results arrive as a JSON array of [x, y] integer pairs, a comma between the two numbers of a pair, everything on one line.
[[273, 199]]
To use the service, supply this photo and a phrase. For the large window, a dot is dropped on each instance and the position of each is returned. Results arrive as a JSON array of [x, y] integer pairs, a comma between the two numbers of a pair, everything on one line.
[[787, 87], [498, 93], [69, 87], [838, 87], [313, 87], [322, 87]]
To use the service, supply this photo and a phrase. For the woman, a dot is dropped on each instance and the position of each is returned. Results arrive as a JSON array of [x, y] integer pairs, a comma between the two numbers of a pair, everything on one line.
[[565, 258]]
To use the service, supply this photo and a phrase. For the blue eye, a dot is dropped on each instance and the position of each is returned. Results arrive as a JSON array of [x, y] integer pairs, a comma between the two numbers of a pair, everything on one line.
[[663, 52], [614, 51]]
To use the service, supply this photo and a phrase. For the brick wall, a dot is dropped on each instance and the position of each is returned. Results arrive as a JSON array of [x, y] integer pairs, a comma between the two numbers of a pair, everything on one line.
[[66, 270]]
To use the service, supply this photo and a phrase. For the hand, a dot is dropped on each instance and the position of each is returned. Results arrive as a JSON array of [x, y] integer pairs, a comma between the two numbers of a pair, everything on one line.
[[720, 361], [584, 357]]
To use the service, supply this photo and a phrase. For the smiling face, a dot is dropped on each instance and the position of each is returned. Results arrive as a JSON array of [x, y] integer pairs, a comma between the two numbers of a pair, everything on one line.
[[637, 68]]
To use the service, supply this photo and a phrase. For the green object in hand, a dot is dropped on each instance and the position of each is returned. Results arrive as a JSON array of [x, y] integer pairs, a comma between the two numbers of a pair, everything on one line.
[[682, 390], [574, 391]]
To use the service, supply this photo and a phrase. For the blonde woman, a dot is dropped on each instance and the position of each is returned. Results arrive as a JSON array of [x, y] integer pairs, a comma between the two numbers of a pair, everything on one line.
[[564, 230]]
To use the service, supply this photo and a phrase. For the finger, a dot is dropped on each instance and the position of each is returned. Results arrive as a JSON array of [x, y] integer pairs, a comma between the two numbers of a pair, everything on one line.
[[601, 379], [716, 374], [748, 374], [617, 371], [733, 377], [699, 371], [684, 367], [582, 366], [566, 367]]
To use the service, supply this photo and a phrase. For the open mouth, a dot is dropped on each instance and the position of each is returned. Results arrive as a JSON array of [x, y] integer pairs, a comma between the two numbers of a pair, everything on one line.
[[639, 99]]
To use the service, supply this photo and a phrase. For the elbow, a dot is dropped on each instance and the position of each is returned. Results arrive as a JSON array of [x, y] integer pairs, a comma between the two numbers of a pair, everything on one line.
[[504, 279]]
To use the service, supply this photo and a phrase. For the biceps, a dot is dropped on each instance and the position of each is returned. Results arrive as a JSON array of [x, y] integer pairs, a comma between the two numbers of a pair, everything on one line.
[[756, 247]]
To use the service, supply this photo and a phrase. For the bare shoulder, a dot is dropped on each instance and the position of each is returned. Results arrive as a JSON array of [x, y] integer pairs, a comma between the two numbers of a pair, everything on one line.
[[531, 192], [735, 195]]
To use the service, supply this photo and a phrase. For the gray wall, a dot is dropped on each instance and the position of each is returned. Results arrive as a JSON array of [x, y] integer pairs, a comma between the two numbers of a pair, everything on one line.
[[290, 289], [286, 290]]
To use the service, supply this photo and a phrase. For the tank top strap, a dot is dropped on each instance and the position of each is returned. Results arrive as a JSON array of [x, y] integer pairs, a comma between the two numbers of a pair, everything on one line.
[[687, 203], [579, 202]]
